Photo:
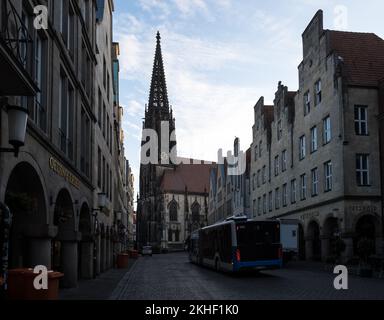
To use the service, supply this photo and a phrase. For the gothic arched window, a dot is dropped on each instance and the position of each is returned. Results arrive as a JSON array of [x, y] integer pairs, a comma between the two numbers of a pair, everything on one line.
[[173, 211], [195, 212]]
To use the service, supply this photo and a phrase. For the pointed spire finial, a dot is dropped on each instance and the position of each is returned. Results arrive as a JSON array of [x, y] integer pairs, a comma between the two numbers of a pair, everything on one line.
[[158, 37]]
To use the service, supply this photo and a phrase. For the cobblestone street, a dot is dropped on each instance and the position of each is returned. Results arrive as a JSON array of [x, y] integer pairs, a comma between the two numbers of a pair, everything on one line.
[[171, 276]]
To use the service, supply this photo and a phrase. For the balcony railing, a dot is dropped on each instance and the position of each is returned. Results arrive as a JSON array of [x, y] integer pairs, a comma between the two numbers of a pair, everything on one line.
[[14, 32]]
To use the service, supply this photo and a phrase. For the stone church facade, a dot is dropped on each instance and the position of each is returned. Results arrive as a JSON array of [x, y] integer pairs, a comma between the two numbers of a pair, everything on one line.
[[173, 200]]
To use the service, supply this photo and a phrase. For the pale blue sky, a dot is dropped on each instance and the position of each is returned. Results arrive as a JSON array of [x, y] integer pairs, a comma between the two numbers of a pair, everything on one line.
[[220, 56]]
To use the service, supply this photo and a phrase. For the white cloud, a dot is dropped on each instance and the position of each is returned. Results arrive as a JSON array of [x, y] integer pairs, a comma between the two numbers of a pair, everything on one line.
[[134, 108]]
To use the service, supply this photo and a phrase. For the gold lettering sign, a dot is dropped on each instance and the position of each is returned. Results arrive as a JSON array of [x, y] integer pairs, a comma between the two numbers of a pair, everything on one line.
[[59, 169]]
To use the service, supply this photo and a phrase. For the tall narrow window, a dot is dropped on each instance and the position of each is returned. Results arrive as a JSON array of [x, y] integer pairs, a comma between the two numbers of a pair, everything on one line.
[[361, 120], [315, 182], [279, 130], [259, 206], [99, 167], [362, 169], [302, 148], [104, 119], [173, 211], [270, 201], [264, 204], [318, 96], [277, 169], [328, 176], [327, 130], [293, 191], [303, 189], [285, 195], [264, 174], [284, 161], [85, 152], [38, 114], [104, 177], [277, 198], [104, 73], [260, 148], [314, 139], [258, 178], [100, 111], [307, 103], [66, 107]]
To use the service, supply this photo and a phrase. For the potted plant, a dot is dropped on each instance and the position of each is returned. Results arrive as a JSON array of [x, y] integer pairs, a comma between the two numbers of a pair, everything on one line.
[[365, 247]]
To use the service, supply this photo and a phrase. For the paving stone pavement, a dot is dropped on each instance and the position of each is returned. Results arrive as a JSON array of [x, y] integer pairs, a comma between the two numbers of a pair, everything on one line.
[[97, 289], [172, 277]]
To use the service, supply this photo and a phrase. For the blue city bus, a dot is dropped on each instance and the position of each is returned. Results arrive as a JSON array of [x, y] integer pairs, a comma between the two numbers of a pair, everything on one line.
[[238, 244]]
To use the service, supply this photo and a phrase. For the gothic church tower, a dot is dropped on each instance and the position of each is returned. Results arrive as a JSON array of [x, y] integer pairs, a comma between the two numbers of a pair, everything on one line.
[[157, 112]]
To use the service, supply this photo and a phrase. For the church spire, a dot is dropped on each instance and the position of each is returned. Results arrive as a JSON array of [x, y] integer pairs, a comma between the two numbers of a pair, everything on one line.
[[158, 96]]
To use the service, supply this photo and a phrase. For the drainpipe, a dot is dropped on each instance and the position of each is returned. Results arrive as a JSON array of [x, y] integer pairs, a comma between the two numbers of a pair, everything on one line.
[[5, 227]]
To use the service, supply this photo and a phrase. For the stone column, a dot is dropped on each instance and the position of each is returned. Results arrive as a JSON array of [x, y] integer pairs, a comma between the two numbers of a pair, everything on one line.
[[98, 250], [102, 254], [308, 248], [69, 263], [325, 249], [39, 252], [348, 253], [379, 245], [86, 260]]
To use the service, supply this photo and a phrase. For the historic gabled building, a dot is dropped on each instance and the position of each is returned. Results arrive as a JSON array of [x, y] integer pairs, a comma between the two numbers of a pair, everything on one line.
[[229, 188], [316, 152], [173, 196]]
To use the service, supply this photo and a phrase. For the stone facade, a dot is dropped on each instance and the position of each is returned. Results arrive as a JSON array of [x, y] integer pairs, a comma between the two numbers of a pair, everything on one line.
[[229, 194], [52, 187], [319, 169]]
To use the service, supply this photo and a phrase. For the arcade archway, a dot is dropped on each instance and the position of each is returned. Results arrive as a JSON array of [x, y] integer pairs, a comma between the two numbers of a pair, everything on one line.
[[365, 229], [26, 200]]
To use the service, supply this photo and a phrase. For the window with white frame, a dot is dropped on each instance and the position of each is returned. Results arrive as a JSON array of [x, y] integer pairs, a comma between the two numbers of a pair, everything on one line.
[[328, 176], [293, 191], [303, 187], [277, 166], [314, 144], [277, 198], [284, 161], [285, 195], [270, 201], [361, 120], [327, 135], [307, 103], [302, 149], [362, 169], [315, 182], [318, 92]]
